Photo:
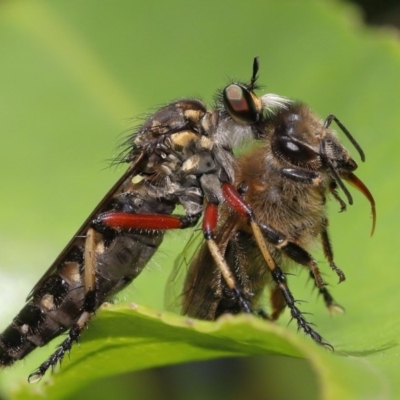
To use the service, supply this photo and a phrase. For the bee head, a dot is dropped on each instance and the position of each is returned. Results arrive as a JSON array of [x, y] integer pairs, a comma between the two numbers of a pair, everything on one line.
[[301, 140]]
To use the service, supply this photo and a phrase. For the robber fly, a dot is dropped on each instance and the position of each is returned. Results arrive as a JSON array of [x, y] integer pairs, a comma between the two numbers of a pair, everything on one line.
[[286, 181], [181, 155]]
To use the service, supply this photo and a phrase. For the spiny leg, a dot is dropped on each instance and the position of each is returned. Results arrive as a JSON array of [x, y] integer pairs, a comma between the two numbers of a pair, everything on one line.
[[335, 194], [328, 252], [280, 280], [293, 251], [302, 257], [89, 307], [65, 347], [329, 301]]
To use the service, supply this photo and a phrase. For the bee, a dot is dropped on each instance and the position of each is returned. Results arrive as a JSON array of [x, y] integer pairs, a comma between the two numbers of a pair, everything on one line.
[[180, 156], [286, 181]]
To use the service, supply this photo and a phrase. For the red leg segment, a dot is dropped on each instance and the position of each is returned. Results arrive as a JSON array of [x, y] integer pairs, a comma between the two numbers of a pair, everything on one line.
[[210, 220], [140, 221], [235, 201]]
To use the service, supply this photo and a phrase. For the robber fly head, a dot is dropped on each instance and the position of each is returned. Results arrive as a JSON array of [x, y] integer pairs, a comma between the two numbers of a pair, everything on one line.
[[244, 106]]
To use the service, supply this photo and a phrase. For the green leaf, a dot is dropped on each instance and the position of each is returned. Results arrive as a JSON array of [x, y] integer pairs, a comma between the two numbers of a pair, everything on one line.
[[128, 338], [71, 75]]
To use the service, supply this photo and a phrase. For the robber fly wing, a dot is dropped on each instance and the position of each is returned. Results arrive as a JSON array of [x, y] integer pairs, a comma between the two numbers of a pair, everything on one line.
[[132, 171], [197, 300], [173, 291]]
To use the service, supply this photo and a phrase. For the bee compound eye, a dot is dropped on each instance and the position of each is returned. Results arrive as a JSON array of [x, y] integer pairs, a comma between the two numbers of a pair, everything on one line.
[[293, 151], [239, 104]]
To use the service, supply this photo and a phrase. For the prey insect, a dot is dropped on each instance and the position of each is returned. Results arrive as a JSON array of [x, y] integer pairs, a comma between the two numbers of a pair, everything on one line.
[[181, 156], [286, 182]]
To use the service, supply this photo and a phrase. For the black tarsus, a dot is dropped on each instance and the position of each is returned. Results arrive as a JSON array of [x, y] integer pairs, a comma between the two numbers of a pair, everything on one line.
[[280, 279]]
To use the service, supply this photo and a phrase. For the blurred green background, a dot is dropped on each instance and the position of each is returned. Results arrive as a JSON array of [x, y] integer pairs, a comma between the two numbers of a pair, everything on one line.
[[74, 74]]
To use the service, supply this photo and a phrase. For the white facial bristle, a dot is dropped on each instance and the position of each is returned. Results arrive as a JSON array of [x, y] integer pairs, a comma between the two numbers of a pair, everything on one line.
[[271, 101]]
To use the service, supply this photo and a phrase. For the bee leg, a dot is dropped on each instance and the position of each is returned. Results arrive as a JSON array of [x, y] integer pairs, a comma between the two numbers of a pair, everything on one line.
[[328, 252], [301, 256], [335, 194], [89, 307], [330, 303], [280, 280], [312, 178], [293, 251]]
